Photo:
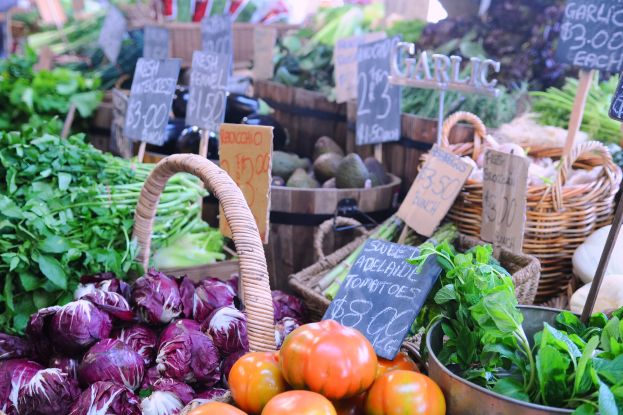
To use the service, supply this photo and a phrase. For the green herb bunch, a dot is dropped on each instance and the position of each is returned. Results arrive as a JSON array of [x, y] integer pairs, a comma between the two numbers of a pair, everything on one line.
[[568, 365]]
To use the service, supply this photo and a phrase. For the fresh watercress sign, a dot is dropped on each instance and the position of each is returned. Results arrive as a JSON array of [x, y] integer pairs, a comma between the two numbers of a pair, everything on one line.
[[216, 34], [378, 101], [156, 42], [150, 101], [383, 294], [111, 35], [208, 88], [616, 108], [591, 35]]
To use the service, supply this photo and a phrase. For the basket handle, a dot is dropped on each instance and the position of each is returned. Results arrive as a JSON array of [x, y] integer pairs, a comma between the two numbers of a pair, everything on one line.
[[327, 226], [577, 151], [480, 131], [253, 270]]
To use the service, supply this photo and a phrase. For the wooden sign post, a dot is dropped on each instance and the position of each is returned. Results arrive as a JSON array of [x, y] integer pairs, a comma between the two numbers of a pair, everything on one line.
[[383, 294], [345, 57], [150, 101], [415, 71], [245, 153], [591, 38], [378, 102], [208, 94], [432, 193], [505, 183]]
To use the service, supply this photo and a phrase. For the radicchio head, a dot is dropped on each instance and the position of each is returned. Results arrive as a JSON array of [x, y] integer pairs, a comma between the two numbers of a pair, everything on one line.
[[13, 347], [66, 364], [287, 305], [113, 361], [187, 292], [112, 303], [161, 403], [14, 374], [157, 298], [228, 328], [141, 339], [106, 398], [78, 325], [183, 391], [211, 294], [49, 391]]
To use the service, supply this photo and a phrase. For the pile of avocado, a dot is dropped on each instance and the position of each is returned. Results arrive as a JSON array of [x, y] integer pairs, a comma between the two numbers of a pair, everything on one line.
[[331, 169]]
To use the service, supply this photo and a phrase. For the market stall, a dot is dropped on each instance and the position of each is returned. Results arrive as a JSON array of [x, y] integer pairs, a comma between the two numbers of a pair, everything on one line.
[[211, 208]]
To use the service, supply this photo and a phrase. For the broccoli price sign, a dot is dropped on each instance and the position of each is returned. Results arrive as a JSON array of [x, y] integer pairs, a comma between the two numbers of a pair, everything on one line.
[[436, 186], [378, 101], [505, 184], [383, 294], [616, 108], [591, 35], [150, 101]]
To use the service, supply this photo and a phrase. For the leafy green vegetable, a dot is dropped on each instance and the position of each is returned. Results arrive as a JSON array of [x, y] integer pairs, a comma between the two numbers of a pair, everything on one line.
[[66, 210]]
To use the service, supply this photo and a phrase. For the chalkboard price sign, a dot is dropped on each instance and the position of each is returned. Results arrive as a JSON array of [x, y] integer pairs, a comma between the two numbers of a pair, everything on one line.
[[150, 101], [378, 101], [216, 34], [591, 35], [383, 294], [156, 42], [111, 35], [616, 108], [208, 88]]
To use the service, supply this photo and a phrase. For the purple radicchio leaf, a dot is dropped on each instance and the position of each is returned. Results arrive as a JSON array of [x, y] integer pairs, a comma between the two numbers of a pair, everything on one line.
[[183, 391], [211, 294], [212, 394], [287, 305], [67, 364], [227, 364], [14, 374], [49, 391], [228, 328], [157, 298], [141, 339], [78, 325], [13, 347], [106, 398], [187, 292], [112, 303], [113, 361], [161, 403], [38, 332]]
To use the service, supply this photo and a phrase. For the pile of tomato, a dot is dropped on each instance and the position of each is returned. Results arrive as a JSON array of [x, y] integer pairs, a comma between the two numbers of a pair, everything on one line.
[[327, 369]]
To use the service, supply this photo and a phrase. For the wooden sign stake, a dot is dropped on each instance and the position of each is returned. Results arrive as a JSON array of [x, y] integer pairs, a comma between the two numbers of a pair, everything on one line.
[[141, 152], [69, 120], [203, 143], [603, 263], [378, 152], [442, 98], [575, 121]]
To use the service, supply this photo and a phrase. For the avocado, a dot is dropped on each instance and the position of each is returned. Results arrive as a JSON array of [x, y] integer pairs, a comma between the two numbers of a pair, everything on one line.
[[378, 174], [325, 166], [302, 180], [284, 164], [351, 173], [326, 145], [329, 184]]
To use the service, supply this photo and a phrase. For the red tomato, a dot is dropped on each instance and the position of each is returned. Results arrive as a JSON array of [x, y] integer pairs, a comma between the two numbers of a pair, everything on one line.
[[216, 408], [299, 403], [404, 392], [254, 379], [350, 406], [326, 357], [402, 361]]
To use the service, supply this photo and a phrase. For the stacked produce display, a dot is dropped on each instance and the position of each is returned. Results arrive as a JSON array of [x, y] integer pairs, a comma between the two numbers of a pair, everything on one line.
[[432, 233]]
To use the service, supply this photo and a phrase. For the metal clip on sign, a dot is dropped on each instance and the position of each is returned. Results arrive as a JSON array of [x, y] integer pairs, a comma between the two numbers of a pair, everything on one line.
[[349, 208]]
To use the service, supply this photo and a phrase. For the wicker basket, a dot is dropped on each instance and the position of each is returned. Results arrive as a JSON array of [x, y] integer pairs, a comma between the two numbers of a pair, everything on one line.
[[525, 270], [255, 290], [558, 218]]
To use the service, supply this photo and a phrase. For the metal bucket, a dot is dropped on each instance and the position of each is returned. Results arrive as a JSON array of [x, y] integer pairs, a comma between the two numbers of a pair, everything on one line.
[[466, 398]]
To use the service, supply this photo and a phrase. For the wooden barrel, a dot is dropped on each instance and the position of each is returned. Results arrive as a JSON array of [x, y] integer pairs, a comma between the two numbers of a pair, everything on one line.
[[296, 213], [307, 115], [417, 136]]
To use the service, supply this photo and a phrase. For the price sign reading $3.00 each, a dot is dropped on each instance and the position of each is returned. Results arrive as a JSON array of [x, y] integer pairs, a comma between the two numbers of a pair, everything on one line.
[[383, 294], [150, 101], [245, 153], [208, 90], [505, 183], [432, 193]]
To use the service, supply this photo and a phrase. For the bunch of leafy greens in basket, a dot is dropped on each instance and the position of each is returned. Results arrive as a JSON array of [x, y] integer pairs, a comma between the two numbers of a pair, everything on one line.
[[37, 97], [570, 365], [67, 209]]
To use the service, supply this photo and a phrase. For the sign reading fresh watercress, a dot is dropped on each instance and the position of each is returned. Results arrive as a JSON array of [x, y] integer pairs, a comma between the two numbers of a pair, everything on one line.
[[378, 101], [383, 294], [150, 101], [208, 88]]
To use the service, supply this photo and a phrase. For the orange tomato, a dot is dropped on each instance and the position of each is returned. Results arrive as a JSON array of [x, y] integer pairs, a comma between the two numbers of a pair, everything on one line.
[[402, 361], [326, 357], [299, 403], [350, 406], [216, 408], [405, 392], [254, 379]]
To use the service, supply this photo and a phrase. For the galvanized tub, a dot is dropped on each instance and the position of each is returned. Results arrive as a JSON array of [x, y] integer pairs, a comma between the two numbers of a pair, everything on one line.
[[466, 398]]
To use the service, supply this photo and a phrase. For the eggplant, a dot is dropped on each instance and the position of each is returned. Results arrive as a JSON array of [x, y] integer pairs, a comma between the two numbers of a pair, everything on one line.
[[280, 134], [188, 142], [180, 101], [239, 106]]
